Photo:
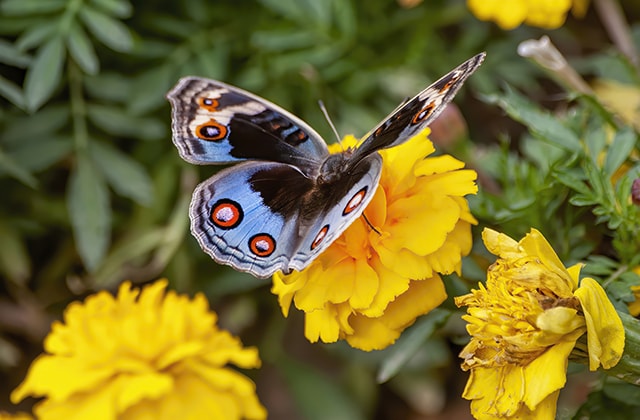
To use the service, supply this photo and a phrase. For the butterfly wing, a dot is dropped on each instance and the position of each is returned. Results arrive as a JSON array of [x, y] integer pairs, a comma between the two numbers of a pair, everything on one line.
[[246, 216], [417, 113], [217, 123], [341, 202], [262, 217]]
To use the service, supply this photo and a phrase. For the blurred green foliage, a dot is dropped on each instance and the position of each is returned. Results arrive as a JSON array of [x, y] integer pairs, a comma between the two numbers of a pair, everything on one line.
[[94, 192]]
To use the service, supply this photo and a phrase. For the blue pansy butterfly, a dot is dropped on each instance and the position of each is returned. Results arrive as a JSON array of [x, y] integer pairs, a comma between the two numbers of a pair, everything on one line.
[[285, 199]]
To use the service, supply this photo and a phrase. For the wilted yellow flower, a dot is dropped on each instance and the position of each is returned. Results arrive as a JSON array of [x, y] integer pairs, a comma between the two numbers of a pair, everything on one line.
[[549, 14], [142, 355], [373, 281], [523, 325]]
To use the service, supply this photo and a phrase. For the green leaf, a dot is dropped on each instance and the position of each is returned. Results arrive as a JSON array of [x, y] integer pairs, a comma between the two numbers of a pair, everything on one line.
[[37, 34], [12, 56], [8, 166], [11, 92], [111, 87], [14, 258], [410, 342], [43, 123], [111, 32], [89, 211], [127, 177], [619, 150], [30, 7], [118, 122], [38, 155], [81, 49], [44, 73], [151, 88], [117, 8], [540, 122], [312, 391]]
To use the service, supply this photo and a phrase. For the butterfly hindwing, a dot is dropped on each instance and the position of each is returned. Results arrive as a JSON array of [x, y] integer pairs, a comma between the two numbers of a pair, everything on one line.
[[217, 123], [247, 216], [347, 202]]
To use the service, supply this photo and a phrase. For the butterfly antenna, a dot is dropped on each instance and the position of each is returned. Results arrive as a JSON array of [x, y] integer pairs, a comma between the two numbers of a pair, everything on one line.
[[370, 225], [333, 127]]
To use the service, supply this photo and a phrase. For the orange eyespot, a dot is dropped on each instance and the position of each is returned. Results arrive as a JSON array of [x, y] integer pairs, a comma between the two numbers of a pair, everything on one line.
[[262, 244], [322, 233], [423, 113], [355, 201], [211, 130], [209, 104], [226, 214]]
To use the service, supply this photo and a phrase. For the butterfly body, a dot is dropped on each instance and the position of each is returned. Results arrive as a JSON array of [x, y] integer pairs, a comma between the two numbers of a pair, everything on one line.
[[286, 198]]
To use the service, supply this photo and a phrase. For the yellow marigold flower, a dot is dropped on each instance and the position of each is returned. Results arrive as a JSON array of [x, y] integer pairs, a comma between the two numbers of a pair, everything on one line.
[[372, 283], [549, 14], [15, 416], [142, 355], [523, 325]]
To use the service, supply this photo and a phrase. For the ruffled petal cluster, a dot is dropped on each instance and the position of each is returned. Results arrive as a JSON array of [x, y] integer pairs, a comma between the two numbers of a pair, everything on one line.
[[524, 324], [383, 272], [141, 355], [548, 14]]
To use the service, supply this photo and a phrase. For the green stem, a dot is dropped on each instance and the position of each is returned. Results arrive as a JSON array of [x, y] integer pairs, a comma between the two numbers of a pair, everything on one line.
[[78, 107]]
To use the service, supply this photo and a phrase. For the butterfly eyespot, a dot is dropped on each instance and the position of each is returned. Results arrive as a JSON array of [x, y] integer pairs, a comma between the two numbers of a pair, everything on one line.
[[423, 113], [209, 104], [226, 214], [355, 201], [322, 233], [454, 77], [211, 130], [262, 244]]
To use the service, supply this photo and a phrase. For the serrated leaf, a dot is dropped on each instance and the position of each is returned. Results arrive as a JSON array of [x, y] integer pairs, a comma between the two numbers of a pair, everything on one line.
[[409, 343], [36, 34], [44, 73], [119, 122], [11, 168], [30, 7], [117, 8], [111, 32], [81, 49], [12, 56], [11, 92], [540, 122], [89, 212], [619, 150], [127, 177]]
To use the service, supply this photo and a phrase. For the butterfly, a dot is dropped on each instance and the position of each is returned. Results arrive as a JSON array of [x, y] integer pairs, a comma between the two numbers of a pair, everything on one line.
[[285, 199]]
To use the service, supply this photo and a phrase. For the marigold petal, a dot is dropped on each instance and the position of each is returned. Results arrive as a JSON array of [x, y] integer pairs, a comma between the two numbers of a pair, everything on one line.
[[391, 285], [546, 374], [605, 332], [500, 244], [405, 263], [59, 378], [322, 324], [559, 320]]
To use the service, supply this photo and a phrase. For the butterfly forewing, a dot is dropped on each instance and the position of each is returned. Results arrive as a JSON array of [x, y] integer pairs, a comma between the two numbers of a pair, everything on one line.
[[214, 123], [418, 112]]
